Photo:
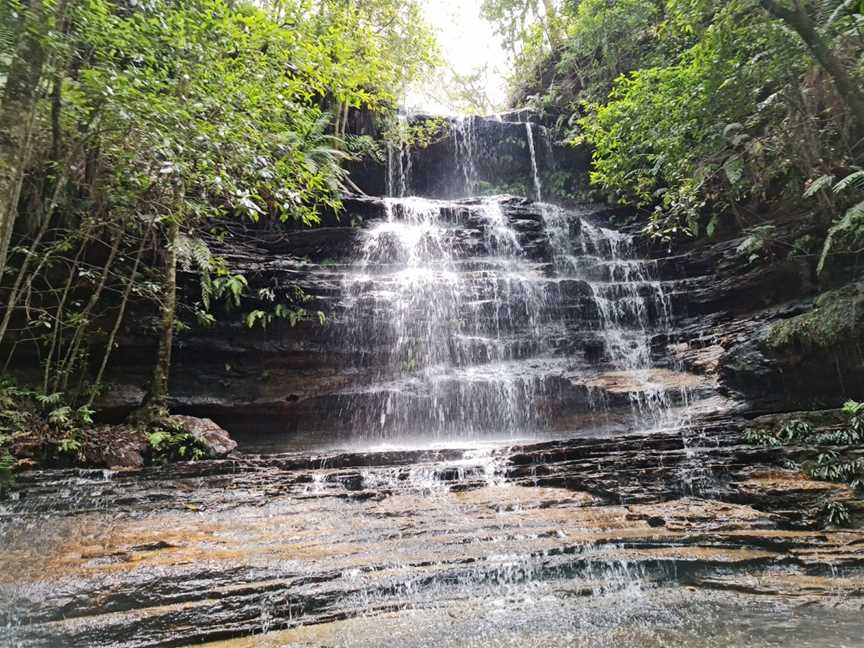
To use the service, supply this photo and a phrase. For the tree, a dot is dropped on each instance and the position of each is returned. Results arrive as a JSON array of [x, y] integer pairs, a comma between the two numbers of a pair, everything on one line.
[[513, 19], [799, 20], [17, 112], [164, 119]]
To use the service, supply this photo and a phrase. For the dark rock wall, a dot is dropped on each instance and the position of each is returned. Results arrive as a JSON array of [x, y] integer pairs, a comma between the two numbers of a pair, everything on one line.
[[492, 151], [293, 379]]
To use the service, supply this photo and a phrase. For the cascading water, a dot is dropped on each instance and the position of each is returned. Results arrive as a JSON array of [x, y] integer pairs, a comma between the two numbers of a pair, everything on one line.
[[444, 295], [467, 312], [632, 305], [535, 174], [399, 163], [464, 149]]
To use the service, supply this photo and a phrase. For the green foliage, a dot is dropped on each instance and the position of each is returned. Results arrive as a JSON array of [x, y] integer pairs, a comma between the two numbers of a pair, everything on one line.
[[847, 233], [163, 116], [174, 443], [833, 461], [29, 414], [699, 111], [531, 30], [605, 40], [418, 133], [684, 136], [758, 243]]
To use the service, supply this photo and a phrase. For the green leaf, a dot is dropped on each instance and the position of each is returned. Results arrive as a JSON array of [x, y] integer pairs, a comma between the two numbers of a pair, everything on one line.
[[817, 185], [254, 317], [853, 220], [734, 169], [855, 179]]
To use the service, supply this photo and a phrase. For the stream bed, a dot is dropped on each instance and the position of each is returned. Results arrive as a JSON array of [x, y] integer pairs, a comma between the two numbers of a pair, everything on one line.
[[589, 542]]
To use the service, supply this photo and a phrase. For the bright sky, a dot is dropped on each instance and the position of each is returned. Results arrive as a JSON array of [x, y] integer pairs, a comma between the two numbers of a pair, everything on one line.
[[467, 42]]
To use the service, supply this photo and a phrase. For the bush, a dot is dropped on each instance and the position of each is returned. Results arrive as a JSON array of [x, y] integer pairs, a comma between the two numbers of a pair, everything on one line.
[[830, 464], [171, 442], [43, 421]]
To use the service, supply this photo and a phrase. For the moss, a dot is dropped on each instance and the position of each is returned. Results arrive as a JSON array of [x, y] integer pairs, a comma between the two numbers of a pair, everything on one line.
[[836, 319]]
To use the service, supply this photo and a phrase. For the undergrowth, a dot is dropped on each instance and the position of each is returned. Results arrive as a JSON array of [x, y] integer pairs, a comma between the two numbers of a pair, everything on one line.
[[40, 420], [834, 450], [170, 441]]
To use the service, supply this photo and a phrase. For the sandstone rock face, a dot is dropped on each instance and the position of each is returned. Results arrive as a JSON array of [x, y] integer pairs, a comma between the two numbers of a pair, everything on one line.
[[317, 378]]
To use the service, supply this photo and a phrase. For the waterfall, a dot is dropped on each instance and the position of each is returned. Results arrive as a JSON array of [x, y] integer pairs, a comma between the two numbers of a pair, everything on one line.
[[632, 304], [448, 328], [465, 313], [399, 163], [465, 145], [538, 189]]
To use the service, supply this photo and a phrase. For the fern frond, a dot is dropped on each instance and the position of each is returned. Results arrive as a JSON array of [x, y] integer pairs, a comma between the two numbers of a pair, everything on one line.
[[822, 182], [852, 221], [852, 180], [193, 253]]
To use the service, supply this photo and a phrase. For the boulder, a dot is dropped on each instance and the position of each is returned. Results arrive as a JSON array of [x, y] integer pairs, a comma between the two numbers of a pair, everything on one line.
[[216, 439], [117, 446]]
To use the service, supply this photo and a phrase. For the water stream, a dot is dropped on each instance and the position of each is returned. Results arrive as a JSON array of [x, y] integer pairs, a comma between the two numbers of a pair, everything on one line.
[[535, 174]]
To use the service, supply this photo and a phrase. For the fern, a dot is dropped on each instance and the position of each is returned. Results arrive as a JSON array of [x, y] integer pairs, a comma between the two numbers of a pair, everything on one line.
[[855, 179], [256, 316], [60, 416], [49, 400], [820, 183], [193, 254], [851, 223]]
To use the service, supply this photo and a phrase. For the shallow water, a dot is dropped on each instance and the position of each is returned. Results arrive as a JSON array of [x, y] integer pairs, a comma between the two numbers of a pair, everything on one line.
[[559, 617], [466, 546]]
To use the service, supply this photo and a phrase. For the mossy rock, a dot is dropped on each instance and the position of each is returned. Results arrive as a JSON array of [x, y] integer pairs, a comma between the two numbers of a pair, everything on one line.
[[836, 320]]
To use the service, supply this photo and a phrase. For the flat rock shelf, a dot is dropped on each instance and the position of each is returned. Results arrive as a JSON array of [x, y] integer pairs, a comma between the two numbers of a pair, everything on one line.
[[661, 539]]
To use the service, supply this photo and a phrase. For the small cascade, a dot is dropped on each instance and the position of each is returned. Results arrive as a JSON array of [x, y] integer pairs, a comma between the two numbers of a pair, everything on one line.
[[447, 328], [538, 189], [399, 164], [632, 305], [465, 151]]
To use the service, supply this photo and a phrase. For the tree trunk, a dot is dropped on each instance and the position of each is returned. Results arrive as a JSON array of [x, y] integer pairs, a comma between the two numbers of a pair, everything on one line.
[[17, 110], [109, 346], [799, 21], [157, 400]]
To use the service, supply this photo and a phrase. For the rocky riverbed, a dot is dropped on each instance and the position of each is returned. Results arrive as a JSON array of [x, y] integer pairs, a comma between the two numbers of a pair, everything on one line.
[[637, 538]]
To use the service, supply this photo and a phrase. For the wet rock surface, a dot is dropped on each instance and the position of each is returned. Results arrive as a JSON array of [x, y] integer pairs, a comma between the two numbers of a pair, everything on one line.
[[544, 321], [207, 551], [719, 310]]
